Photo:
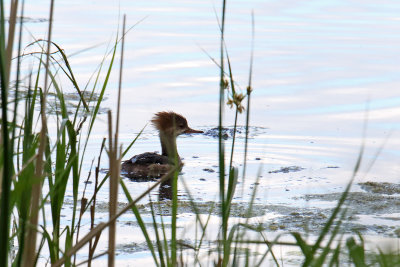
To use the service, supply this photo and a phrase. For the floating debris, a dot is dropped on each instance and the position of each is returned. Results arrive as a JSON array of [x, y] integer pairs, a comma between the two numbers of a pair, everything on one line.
[[288, 169], [133, 247], [381, 188], [313, 220], [72, 101], [29, 19], [227, 132], [362, 202], [208, 170]]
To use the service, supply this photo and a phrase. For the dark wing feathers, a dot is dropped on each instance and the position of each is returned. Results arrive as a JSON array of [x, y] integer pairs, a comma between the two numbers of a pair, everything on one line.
[[149, 158]]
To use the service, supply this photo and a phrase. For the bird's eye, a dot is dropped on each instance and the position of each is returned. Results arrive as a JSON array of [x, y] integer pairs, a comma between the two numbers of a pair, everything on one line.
[[181, 126]]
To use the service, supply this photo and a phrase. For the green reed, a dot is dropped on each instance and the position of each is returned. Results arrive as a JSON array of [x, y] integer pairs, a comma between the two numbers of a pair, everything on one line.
[[63, 156], [6, 150]]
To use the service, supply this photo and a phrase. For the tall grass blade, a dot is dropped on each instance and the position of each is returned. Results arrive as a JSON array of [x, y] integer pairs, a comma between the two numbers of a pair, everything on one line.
[[305, 248], [160, 248], [113, 197], [335, 261], [321, 259], [115, 160], [29, 253], [248, 91], [12, 21], [16, 100], [7, 154], [356, 251], [140, 222], [221, 149], [174, 209]]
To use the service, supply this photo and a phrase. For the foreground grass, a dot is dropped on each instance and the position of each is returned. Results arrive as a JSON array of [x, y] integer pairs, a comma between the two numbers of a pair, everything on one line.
[[30, 159]]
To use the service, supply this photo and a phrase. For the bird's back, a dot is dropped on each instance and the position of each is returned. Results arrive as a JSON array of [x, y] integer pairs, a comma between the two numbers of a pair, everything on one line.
[[145, 166]]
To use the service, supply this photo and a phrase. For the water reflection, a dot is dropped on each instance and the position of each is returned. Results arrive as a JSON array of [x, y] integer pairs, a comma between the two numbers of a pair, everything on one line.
[[165, 190]]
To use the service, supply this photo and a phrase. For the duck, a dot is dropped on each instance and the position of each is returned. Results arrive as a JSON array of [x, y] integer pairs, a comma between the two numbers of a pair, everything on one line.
[[151, 165]]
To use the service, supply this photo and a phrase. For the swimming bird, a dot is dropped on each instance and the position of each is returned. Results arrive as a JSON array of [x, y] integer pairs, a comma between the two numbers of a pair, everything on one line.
[[150, 165]]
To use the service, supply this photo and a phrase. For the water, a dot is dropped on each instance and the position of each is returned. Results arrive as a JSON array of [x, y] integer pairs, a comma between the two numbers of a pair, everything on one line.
[[322, 69]]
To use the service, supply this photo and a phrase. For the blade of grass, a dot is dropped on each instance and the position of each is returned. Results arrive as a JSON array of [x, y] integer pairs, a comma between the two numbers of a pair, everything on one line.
[[356, 251], [113, 197], [99, 100], [29, 253], [335, 257], [174, 209], [5, 65], [165, 239], [158, 239], [249, 90], [140, 222], [327, 249], [221, 149], [115, 162], [203, 226], [12, 21], [14, 121]]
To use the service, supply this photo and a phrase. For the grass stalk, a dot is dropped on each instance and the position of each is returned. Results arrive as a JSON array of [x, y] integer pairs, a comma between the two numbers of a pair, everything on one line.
[[7, 154], [113, 189], [115, 161], [248, 91], [14, 121], [120, 81], [141, 222], [83, 206], [221, 149], [174, 210], [92, 246], [29, 252], [11, 34], [160, 248]]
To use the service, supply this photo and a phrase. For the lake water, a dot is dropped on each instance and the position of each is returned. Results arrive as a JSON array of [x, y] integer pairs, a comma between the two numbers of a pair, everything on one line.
[[322, 69]]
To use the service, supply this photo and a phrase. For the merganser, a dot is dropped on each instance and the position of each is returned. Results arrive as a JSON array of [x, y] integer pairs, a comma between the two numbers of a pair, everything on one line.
[[152, 165]]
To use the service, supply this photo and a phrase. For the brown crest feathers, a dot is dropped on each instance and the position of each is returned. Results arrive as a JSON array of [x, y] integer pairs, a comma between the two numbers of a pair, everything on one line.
[[165, 120]]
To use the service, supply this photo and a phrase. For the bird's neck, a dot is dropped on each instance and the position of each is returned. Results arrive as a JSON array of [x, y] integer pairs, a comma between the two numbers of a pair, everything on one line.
[[168, 146]]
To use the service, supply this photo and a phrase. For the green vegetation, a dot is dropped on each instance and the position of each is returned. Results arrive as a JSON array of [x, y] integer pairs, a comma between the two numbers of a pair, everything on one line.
[[33, 156]]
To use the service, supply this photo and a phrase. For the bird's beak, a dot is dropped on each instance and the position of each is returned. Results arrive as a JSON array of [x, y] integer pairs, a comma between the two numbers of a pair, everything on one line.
[[190, 130]]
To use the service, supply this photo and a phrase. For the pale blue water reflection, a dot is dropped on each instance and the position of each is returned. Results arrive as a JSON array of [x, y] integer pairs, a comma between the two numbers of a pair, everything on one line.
[[303, 50]]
